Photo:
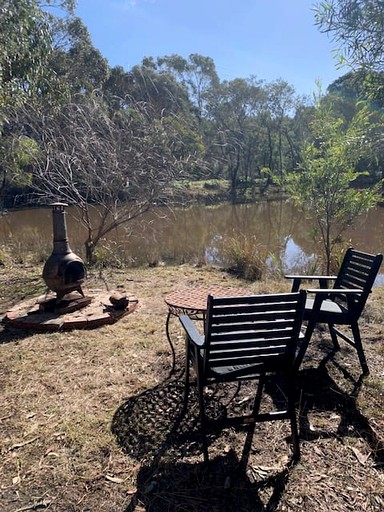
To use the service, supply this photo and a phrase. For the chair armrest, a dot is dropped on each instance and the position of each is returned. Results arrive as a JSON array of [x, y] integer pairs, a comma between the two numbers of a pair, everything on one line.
[[336, 291], [323, 280], [309, 278], [193, 334]]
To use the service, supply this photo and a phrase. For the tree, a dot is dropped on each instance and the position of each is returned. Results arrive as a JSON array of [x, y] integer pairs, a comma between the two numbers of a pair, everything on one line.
[[26, 44], [358, 27], [323, 183], [159, 89], [198, 74], [73, 59], [120, 166], [233, 110], [345, 96]]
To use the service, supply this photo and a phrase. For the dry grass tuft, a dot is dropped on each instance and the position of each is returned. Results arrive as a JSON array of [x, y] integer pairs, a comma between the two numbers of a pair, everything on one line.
[[90, 420]]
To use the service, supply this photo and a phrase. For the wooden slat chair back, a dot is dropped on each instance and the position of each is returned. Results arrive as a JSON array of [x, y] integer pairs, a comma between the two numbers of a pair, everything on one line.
[[250, 334], [253, 337], [358, 271], [343, 303]]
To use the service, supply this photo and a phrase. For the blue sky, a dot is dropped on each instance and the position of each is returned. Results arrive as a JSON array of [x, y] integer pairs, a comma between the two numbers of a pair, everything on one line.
[[269, 39]]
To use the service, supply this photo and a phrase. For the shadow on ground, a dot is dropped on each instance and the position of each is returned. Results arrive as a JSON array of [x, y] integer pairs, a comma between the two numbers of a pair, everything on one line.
[[151, 428], [8, 335], [320, 392]]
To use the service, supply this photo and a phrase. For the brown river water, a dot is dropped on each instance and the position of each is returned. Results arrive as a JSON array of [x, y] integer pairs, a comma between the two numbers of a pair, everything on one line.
[[198, 233]]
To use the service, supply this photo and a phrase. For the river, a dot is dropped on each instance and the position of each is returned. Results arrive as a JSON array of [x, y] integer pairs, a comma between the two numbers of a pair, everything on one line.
[[198, 234]]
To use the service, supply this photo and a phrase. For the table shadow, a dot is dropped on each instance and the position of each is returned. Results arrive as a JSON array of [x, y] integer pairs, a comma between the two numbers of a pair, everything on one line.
[[151, 427]]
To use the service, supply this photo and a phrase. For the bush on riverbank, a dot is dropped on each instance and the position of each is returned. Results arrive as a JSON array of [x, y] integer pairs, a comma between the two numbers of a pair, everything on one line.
[[245, 257]]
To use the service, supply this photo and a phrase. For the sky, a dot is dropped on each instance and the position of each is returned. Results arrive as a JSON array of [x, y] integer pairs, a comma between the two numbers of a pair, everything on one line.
[[269, 39]]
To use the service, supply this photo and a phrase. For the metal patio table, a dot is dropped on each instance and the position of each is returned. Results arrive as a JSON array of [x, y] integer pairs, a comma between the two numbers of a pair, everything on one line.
[[193, 302]]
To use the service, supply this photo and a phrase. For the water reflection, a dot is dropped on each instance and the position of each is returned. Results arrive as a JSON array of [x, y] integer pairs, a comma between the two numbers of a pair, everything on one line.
[[292, 258], [198, 233]]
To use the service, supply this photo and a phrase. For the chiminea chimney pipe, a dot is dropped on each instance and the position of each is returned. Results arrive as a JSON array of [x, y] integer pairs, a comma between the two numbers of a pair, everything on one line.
[[60, 237]]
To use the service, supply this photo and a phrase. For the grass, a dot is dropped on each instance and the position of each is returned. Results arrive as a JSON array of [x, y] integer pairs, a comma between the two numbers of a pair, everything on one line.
[[245, 257], [88, 417]]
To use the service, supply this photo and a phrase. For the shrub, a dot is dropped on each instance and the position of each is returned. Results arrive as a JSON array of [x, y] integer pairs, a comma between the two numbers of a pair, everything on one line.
[[245, 257]]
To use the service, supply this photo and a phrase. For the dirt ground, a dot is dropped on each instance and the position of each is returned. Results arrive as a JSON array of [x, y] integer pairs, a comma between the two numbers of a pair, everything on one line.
[[90, 420]]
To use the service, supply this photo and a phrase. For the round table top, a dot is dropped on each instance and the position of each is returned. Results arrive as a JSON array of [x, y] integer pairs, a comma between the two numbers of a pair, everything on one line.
[[195, 298]]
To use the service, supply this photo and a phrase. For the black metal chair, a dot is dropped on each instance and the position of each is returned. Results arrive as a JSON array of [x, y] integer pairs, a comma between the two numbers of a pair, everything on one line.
[[246, 338], [342, 304]]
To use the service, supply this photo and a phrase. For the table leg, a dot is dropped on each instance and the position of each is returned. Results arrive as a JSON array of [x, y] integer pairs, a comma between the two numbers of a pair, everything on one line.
[[170, 341]]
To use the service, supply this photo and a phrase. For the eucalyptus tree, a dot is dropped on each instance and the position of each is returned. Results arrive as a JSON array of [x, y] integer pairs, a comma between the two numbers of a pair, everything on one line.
[[345, 96], [117, 88], [233, 110], [26, 43], [281, 106], [73, 59], [160, 89], [197, 73], [357, 27]]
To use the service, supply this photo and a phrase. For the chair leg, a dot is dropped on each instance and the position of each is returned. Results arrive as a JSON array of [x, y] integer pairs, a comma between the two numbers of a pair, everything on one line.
[[304, 345], [335, 341], [259, 392], [359, 348], [293, 422]]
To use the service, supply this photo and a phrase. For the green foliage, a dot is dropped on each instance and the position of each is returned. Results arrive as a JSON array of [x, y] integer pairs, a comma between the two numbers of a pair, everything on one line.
[[324, 182], [26, 43], [357, 26], [18, 152], [74, 60], [26, 78]]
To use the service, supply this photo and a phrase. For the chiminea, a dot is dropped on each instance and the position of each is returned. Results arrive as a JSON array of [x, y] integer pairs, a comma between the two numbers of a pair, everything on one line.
[[63, 272]]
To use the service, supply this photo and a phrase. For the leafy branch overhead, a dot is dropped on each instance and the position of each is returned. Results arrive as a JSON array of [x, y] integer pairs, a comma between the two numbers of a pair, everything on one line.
[[357, 27]]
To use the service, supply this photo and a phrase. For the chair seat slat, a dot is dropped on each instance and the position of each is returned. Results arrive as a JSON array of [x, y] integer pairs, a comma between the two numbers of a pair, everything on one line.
[[231, 355], [247, 311]]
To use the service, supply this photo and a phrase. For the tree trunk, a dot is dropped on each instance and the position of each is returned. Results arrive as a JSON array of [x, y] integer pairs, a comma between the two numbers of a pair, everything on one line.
[[89, 251]]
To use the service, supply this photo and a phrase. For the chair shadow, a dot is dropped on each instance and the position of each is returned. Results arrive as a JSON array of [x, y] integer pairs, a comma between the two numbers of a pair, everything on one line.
[[176, 486], [151, 427], [318, 392]]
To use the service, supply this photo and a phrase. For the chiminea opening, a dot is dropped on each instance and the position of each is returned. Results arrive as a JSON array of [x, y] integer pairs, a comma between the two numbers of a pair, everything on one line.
[[64, 271], [73, 272]]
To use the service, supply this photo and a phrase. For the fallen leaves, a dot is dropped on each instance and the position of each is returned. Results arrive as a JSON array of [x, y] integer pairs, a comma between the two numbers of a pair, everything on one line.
[[24, 443], [362, 458]]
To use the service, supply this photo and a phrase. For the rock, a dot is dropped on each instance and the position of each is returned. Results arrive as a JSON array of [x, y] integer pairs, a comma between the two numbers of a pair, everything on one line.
[[119, 300]]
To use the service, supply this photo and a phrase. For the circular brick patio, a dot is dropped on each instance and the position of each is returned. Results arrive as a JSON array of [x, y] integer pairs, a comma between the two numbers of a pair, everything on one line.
[[95, 310]]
